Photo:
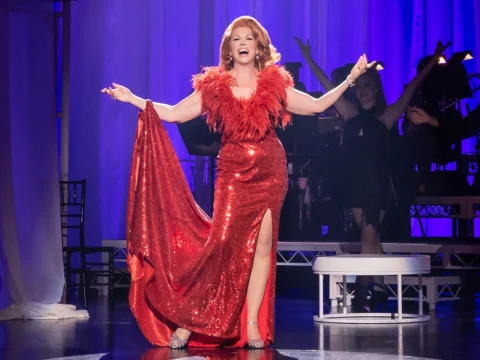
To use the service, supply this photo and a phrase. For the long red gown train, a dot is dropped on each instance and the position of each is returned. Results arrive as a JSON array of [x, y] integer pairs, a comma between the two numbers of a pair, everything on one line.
[[189, 270]]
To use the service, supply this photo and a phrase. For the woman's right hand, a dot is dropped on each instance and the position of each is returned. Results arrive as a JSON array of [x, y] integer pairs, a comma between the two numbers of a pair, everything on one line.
[[440, 49], [119, 92]]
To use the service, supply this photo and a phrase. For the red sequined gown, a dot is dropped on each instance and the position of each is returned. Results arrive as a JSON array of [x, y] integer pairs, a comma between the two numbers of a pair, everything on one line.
[[189, 270]]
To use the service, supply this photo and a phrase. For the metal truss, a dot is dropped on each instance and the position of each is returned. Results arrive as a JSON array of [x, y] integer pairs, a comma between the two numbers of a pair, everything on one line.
[[299, 258], [440, 207], [435, 211]]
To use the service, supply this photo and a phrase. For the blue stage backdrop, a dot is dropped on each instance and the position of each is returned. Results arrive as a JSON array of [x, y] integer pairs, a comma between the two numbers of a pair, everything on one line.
[[155, 46]]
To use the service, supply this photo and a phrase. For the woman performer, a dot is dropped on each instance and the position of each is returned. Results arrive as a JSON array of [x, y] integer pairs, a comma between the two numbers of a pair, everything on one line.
[[213, 281]]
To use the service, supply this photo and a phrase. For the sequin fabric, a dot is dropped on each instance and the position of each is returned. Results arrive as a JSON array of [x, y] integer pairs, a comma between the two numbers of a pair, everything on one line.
[[189, 270]]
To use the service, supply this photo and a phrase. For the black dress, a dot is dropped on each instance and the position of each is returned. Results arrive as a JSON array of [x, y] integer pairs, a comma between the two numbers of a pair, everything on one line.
[[367, 182]]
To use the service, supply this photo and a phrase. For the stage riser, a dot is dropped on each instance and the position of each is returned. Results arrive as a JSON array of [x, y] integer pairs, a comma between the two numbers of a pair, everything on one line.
[[302, 254]]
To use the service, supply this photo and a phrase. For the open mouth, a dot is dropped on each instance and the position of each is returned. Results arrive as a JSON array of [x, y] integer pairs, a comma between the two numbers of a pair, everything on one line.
[[243, 52]]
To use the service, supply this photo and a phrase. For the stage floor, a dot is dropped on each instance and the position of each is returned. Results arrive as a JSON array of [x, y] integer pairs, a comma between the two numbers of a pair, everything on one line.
[[453, 333]]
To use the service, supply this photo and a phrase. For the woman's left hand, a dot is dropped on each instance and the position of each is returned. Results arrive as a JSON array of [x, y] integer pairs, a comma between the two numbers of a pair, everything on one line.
[[360, 67], [418, 116], [305, 49]]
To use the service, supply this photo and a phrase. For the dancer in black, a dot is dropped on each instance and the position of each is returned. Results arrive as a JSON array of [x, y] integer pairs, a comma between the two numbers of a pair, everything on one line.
[[367, 189]]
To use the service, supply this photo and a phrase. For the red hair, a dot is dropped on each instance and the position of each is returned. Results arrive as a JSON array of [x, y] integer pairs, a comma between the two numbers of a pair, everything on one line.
[[266, 51]]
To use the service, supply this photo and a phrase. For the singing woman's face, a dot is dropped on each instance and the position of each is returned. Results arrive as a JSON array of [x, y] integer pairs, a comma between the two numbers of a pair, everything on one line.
[[366, 90], [243, 46]]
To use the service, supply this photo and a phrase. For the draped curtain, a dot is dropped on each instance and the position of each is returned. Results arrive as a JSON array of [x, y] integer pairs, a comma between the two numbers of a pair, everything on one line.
[[32, 277], [155, 46]]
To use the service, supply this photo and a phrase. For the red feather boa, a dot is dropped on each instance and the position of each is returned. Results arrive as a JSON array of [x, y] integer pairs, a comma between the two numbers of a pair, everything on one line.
[[244, 119]]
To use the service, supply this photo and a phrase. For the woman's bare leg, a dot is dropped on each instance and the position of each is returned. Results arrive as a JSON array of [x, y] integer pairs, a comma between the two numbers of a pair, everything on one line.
[[378, 281], [370, 245], [259, 275]]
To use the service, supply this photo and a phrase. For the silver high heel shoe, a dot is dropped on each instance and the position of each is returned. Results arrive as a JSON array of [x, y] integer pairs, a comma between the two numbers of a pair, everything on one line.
[[255, 343], [177, 343]]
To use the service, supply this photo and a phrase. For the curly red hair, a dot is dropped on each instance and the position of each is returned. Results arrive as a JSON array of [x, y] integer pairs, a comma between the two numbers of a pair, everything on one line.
[[266, 51]]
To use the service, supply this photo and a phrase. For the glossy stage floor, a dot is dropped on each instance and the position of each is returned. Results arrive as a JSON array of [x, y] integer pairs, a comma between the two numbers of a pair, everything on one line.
[[452, 333]]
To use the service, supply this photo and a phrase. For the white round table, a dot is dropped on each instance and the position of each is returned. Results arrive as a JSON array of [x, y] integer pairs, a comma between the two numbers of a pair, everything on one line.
[[372, 265]]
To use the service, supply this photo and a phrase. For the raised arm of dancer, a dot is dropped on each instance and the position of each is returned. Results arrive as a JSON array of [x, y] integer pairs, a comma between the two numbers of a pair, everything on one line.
[[301, 103], [345, 108], [187, 109], [393, 112]]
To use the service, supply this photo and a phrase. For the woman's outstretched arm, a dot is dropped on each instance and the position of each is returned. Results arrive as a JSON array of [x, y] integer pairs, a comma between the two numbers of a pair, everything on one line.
[[303, 104], [345, 108], [187, 109], [393, 112]]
